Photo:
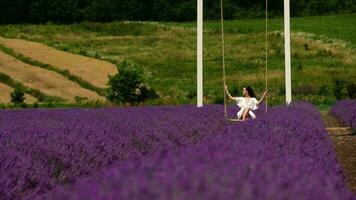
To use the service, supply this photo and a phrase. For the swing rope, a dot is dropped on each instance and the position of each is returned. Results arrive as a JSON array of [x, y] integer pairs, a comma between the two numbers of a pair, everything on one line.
[[223, 57], [223, 54], [266, 62]]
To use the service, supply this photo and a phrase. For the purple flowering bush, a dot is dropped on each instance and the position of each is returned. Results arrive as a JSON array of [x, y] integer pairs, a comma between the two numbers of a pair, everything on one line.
[[285, 154], [44, 148], [345, 110]]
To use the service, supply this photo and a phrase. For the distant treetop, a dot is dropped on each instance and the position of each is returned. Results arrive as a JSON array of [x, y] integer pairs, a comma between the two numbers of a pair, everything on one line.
[[70, 11]]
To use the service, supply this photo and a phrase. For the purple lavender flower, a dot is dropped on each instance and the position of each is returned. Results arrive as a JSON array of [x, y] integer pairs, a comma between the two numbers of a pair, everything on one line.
[[345, 110]]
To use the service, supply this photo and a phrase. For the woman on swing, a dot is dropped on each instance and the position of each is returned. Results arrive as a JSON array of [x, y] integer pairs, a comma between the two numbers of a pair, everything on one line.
[[248, 103]]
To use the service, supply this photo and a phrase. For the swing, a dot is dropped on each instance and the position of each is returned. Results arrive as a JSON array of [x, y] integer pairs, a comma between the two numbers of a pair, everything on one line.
[[223, 59]]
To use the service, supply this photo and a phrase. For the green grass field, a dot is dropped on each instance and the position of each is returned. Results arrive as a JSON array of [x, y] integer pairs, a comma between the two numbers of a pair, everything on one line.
[[323, 50]]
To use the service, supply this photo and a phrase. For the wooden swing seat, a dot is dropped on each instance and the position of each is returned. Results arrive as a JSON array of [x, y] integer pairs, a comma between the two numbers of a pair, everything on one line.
[[235, 120]]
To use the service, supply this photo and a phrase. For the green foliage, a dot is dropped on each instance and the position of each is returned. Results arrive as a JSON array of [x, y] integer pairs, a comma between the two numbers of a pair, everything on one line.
[[79, 99], [17, 96], [351, 90], [50, 104], [323, 91], [35, 105], [192, 94], [69, 11], [236, 91], [338, 89], [219, 100], [304, 89], [128, 86], [282, 91], [23, 105]]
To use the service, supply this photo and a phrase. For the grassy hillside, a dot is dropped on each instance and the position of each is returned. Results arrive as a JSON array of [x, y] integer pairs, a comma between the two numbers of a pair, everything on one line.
[[323, 50]]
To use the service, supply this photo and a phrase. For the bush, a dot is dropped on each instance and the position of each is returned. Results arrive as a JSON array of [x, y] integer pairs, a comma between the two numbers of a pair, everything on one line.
[[79, 99], [282, 91], [323, 91], [50, 104], [304, 89], [191, 94], [351, 90], [17, 96], [338, 89], [23, 105], [128, 86], [219, 100], [35, 105], [236, 91]]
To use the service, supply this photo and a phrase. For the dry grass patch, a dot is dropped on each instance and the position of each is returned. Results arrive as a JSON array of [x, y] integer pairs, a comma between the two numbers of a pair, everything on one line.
[[92, 70], [46, 81], [334, 48]]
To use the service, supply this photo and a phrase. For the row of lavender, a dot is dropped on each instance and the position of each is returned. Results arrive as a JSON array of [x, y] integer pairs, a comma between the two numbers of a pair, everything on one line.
[[41, 149], [346, 111], [286, 154]]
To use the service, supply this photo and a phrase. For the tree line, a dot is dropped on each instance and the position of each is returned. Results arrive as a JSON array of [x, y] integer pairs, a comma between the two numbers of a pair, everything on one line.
[[72, 11]]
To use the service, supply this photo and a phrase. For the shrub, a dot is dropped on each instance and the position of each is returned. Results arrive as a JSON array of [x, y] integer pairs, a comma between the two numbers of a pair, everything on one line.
[[323, 91], [219, 100], [35, 105], [345, 110], [236, 91], [23, 105], [128, 86], [304, 89], [50, 104], [17, 96], [282, 91], [351, 90], [79, 99], [338, 88], [191, 94]]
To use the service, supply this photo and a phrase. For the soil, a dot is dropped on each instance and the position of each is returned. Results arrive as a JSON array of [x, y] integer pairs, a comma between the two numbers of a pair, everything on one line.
[[344, 139]]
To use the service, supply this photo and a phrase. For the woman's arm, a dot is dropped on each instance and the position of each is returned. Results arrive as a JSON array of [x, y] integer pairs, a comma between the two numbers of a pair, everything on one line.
[[263, 97], [228, 94]]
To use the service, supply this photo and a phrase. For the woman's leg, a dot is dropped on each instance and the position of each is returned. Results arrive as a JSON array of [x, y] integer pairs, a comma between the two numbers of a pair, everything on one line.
[[246, 114], [252, 115], [239, 114]]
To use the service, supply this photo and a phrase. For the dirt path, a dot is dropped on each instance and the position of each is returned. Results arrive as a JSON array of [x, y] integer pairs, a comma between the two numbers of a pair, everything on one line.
[[5, 92], [92, 70], [345, 146], [46, 81]]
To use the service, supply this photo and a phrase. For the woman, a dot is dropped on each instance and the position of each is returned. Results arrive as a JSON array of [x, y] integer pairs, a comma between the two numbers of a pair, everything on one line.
[[248, 103]]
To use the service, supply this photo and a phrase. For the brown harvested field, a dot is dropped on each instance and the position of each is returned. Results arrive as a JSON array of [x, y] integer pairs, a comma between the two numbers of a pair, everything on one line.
[[92, 70], [5, 92], [43, 80]]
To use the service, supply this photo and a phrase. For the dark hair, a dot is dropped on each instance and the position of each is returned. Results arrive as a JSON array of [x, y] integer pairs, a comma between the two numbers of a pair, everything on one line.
[[250, 91]]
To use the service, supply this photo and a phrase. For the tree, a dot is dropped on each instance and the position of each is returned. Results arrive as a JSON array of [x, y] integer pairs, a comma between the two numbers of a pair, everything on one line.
[[17, 96], [128, 86]]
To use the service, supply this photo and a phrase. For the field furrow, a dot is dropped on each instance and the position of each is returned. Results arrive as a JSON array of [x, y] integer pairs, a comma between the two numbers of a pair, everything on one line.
[[5, 92], [92, 70], [46, 81]]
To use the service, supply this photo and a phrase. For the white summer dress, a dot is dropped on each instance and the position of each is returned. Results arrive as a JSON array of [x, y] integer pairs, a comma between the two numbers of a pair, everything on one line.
[[244, 104]]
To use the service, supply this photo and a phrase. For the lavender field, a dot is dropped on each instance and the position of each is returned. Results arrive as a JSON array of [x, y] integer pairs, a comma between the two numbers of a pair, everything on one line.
[[346, 111], [167, 153]]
